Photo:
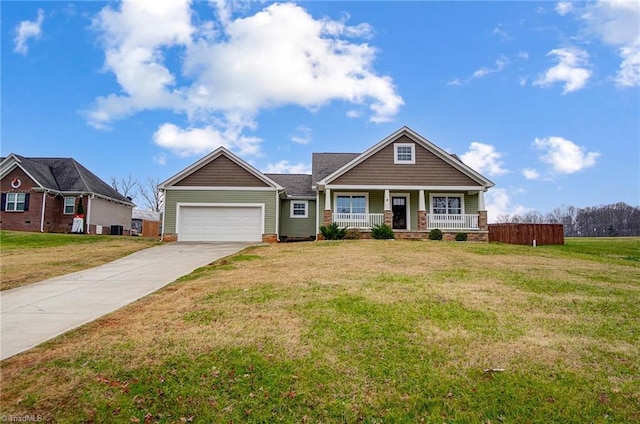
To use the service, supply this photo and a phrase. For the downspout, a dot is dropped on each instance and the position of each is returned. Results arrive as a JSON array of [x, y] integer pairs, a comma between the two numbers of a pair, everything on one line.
[[44, 205], [88, 230], [278, 215], [317, 213]]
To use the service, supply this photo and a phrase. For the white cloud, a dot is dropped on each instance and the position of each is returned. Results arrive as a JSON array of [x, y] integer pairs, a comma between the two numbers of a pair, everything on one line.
[[284, 167], [502, 33], [455, 81], [196, 141], [498, 203], [564, 7], [302, 135], [616, 23], [572, 69], [530, 174], [160, 159], [236, 67], [26, 30], [523, 55], [564, 156], [484, 158], [501, 63], [353, 114]]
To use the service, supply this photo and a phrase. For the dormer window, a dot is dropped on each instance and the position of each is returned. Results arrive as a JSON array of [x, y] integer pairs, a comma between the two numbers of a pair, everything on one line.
[[404, 153]]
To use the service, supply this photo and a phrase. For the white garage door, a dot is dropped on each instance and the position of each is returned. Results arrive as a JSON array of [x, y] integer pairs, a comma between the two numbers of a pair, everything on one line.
[[220, 223]]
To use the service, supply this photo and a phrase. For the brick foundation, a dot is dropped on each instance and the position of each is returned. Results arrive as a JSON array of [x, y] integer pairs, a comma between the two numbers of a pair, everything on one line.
[[478, 236], [269, 238], [169, 237], [482, 221]]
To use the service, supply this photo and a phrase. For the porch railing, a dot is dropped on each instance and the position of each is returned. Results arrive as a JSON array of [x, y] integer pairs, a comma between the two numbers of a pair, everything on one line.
[[362, 221], [452, 222]]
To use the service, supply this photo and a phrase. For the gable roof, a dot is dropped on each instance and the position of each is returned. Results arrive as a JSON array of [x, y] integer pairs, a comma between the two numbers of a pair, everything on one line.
[[220, 151], [452, 160], [295, 185], [64, 175], [324, 164]]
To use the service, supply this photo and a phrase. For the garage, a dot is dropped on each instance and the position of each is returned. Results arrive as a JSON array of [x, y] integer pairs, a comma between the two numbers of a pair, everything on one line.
[[220, 222]]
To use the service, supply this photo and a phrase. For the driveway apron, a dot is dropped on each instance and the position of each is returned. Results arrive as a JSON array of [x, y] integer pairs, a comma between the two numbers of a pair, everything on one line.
[[41, 311]]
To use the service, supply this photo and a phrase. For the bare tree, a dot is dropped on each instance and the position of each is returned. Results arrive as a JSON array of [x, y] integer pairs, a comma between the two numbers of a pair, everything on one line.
[[154, 198], [126, 186]]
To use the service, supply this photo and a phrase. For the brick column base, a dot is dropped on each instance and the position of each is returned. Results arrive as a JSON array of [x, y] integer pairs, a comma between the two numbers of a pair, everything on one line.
[[388, 218], [482, 221], [422, 220], [327, 217]]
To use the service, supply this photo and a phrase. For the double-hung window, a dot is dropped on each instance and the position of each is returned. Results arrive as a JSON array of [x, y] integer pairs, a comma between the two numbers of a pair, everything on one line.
[[69, 205], [446, 204], [353, 204], [15, 202], [299, 209]]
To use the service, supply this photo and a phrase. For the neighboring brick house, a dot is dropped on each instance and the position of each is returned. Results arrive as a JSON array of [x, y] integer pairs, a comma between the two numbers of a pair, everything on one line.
[[404, 181], [42, 194]]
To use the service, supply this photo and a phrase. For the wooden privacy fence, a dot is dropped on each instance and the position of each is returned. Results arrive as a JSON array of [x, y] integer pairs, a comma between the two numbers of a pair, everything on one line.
[[527, 233], [151, 229]]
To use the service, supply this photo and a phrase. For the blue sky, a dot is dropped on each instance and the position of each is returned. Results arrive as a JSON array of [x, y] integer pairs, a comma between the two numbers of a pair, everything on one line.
[[541, 97]]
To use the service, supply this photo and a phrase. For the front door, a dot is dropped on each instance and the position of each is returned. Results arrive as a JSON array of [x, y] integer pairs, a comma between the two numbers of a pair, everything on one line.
[[399, 209]]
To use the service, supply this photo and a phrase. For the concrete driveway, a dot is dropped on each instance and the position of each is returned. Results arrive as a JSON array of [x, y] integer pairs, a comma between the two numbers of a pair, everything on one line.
[[38, 312]]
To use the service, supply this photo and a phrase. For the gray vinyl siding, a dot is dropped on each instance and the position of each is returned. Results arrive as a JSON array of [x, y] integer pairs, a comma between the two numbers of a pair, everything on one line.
[[297, 227], [266, 197], [221, 172]]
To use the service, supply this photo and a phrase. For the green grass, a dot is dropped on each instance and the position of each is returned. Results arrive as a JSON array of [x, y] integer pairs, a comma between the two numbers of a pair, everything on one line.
[[17, 240], [358, 332]]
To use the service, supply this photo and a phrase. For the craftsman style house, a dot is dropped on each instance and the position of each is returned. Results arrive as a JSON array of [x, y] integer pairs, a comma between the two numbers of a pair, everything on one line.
[[43, 194], [404, 181]]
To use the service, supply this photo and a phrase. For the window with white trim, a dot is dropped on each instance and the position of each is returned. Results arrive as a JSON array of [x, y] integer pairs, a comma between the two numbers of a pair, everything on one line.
[[447, 204], [15, 202], [69, 205], [351, 203], [299, 209], [404, 153]]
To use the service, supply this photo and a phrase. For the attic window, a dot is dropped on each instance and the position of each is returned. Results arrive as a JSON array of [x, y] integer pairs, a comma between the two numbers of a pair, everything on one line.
[[404, 153]]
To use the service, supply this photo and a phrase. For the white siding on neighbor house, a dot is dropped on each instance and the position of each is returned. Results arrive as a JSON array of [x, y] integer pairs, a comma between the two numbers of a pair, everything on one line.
[[106, 213]]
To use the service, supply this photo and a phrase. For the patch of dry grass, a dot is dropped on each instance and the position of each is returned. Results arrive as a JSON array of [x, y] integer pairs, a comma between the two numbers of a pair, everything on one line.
[[24, 263], [398, 331]]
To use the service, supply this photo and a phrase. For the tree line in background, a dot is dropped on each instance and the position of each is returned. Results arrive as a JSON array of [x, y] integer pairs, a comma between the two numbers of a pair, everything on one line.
[[147, 191], [614, 220]]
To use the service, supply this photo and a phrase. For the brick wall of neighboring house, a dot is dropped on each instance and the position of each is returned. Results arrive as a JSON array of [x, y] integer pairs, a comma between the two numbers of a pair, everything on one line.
[[55, 221], [21, 221]]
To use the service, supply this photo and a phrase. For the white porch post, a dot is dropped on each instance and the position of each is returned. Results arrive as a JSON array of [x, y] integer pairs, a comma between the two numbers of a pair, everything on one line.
[[481, 206], [327, 200], [387, 201], [422, 204]]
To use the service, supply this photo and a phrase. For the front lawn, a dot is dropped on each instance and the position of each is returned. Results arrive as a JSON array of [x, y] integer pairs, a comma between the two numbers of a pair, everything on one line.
[[372, 331], [31, 257]]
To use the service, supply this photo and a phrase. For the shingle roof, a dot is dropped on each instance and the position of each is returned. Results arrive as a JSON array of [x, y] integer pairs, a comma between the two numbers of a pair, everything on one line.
[[67, 175], [323, 164], [294, 184]]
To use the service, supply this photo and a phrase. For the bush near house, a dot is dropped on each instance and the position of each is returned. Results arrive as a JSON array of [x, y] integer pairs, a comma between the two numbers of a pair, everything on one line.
[[333, 232], [435, 234], [461, 236], [382, 232]]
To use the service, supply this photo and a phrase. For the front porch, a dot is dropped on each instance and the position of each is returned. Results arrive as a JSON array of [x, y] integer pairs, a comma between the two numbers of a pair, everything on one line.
[[408, 213], [444, 222]]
